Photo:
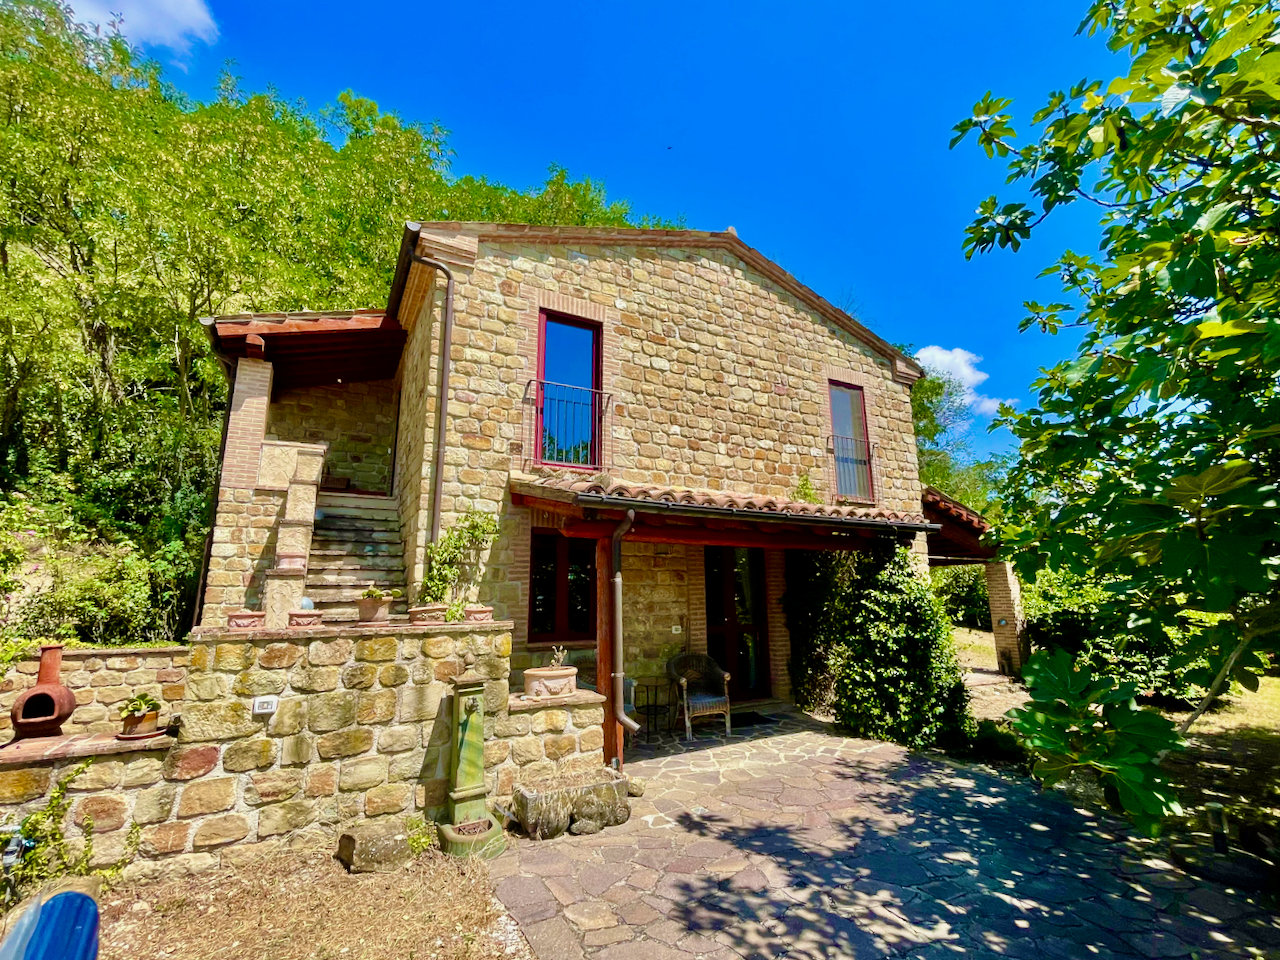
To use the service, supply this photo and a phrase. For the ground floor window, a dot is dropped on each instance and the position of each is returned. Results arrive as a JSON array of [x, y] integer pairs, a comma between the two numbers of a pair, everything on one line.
[[562, 589]]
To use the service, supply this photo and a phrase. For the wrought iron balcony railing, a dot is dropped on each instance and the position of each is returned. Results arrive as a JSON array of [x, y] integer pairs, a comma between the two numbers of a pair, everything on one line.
[[565, 425], [853, 468]]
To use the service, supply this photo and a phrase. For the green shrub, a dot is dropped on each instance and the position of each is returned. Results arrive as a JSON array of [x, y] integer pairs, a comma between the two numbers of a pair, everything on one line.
[[871, 644], [963, 592], [1078, 615]]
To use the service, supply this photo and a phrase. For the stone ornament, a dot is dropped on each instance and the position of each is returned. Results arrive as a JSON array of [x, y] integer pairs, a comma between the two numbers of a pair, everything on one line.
[[478, 613], [247, 620], [306, 618]]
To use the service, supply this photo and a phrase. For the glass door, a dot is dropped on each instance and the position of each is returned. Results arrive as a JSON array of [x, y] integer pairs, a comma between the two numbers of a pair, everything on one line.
[[736, 634]]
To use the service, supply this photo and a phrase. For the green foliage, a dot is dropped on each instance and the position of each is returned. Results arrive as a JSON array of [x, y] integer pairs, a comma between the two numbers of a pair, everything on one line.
[[451, 561], [871, 644], [1150, 459], [50, 855], [963, 593], [805, 490], [421, 834], [374, 592], [1077, 720], [139, 706], [131, 210]]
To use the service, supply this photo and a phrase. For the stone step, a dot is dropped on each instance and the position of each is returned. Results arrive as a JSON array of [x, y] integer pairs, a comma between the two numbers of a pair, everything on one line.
[[344, 593], [326, 511], [326, 539], [356, 523], [338, 548], [371, 500], [337, 562], [355, 578]]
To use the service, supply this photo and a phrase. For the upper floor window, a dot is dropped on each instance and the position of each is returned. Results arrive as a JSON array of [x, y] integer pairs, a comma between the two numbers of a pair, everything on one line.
[[849, 443], [569, 402]]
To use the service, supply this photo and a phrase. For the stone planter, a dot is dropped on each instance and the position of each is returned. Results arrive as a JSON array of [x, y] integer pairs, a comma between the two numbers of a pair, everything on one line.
[[478, 613], [579, 803], [140, 725], [247, 620], [428, 613], [306, 618], [374, 609], [542, 682]]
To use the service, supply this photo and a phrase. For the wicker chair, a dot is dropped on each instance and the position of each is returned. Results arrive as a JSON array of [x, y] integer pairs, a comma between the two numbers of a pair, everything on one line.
[[702, 689]]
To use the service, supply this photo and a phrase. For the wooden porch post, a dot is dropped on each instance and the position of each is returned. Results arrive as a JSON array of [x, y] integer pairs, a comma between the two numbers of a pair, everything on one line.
[[604, 647]]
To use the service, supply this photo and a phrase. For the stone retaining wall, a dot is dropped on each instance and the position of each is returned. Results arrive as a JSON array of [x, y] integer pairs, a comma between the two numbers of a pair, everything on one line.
[[101, 680], [363, 729]]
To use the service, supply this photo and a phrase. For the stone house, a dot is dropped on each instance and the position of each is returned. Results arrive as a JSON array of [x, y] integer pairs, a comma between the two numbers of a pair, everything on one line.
[[670, 405]]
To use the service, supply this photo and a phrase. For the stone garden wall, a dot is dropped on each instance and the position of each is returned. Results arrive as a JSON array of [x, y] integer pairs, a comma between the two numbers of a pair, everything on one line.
[[101, 680], [363, 729]]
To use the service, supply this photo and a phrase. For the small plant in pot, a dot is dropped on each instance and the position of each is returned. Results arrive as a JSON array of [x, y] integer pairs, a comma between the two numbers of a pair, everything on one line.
[[140, 715], [450, 567], [375, 604], [557, 679]]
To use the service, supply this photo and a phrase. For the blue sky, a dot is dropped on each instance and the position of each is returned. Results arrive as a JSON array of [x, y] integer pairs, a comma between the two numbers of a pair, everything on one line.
[[819, 131]]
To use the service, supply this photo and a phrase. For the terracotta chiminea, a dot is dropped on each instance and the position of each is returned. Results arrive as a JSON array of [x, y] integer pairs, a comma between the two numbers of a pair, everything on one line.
[[41, 710]]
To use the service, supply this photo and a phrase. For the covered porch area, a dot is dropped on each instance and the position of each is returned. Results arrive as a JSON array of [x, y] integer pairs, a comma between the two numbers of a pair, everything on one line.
[[685, 572]]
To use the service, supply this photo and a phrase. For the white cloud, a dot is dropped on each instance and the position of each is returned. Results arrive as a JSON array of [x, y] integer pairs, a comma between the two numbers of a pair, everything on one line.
[[962, 365], [158, 23]]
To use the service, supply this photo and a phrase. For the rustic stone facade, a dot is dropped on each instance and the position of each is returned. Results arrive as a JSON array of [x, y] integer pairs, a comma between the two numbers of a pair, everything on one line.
[[102, 679], [356, 420]]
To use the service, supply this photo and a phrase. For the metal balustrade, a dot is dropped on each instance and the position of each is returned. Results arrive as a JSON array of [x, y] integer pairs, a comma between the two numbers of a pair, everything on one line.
[[565, 425]]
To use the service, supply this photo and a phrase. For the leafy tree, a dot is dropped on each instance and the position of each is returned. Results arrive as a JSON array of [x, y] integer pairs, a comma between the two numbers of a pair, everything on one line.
[[128, 211], [1151, 458]]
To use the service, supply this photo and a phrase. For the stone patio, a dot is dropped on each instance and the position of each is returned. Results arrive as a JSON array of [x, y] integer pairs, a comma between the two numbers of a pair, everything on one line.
[[788, 841]]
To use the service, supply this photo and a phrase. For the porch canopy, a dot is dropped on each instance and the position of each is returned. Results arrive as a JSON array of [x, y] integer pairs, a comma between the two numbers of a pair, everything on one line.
[[956, 537], [308, 349], [592, 507]]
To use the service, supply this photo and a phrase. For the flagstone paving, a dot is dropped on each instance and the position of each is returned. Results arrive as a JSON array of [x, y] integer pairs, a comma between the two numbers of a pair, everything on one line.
[[804, 844]]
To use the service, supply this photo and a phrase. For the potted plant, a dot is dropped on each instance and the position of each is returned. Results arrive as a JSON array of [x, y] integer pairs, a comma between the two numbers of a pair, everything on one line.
[[375, 604], [557, 679], [140, 714], [450, 562]]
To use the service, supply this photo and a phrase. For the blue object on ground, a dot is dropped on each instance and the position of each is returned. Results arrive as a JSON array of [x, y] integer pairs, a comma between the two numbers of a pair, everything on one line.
[[67, 929]]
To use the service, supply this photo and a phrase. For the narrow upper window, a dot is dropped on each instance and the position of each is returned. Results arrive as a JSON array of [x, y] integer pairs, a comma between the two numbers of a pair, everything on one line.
[[852, 451], [562, 589], [569, 399]]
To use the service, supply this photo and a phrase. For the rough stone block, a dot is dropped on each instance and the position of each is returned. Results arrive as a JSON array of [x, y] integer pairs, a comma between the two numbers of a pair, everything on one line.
[[314, 679], [207, 796], [377, 707], [363, 774], [393, 675], [108, 811], [142, 771], [276, 656], [217, 720], [322, 781], [398, 739], [526, 749], [187, 763], [374, 847], [553, 720], [344, 743], [165, 838], [101, 775], [323, 653], [421, 702], [296, 750], [360, 676], [18, 786], [154, 804], [388, 798], [331, 711], [249, 755], [272, 786], [376, 648], [290, 717], [217, 831], [258, 683], [558, 745], [284, 817]]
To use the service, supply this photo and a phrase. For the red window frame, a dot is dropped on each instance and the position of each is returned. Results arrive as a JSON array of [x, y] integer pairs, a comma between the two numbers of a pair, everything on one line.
[[832, 386], [596, 329], [560, 632]]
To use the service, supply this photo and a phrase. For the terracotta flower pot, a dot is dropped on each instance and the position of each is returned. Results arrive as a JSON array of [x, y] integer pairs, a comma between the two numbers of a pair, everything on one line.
[[41, 710], [478, 613], [374, 609], [140, 725], [247, 619], [540, 682], [306, 618], [428, 613]]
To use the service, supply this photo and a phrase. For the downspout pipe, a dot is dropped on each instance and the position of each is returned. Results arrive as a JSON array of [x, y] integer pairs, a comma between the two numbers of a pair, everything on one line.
[[442, 400], [619, 673]]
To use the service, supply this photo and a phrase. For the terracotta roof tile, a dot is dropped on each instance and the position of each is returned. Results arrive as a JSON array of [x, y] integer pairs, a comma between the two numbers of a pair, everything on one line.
[[740, 502], [935, 501]]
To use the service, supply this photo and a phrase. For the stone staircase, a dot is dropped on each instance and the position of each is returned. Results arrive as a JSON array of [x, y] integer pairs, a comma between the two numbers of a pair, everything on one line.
[[356, 541]]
